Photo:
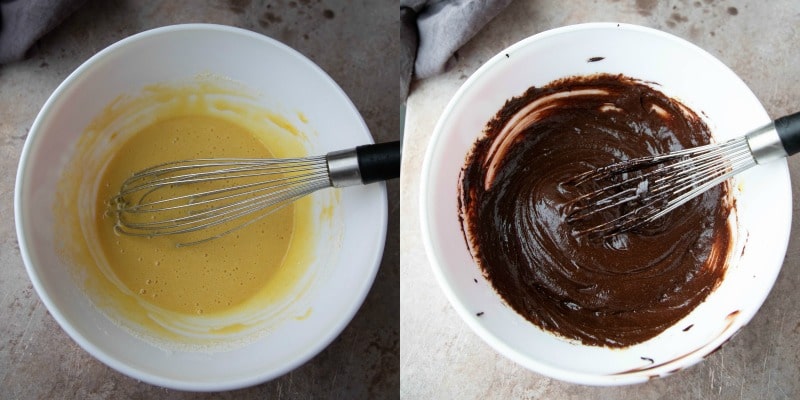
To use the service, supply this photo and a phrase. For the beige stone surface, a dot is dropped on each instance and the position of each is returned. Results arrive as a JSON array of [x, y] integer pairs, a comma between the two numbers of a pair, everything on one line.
[[441, 358], [354, 41]]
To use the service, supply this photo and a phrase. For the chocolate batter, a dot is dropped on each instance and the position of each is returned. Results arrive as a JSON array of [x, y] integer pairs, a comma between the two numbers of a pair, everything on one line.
[[615, 291]]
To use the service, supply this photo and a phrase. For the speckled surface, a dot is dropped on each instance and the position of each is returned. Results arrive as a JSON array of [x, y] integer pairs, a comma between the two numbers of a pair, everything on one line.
[[442, 358], [351, 41]]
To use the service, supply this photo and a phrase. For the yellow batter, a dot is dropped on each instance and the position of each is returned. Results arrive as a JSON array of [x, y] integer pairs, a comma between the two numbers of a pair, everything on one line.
[[208, 277], [185, 294]]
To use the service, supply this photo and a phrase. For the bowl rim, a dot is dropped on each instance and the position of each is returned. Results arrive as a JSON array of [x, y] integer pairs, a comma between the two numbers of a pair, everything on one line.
[[585, 378], [361, 290]]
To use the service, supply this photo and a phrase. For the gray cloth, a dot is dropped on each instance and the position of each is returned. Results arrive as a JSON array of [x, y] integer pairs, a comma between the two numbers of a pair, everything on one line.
[[433, 30], [23, 22]]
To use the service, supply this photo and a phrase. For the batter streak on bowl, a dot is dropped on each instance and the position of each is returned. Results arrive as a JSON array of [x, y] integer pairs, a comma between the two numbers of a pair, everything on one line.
[[611, 292]]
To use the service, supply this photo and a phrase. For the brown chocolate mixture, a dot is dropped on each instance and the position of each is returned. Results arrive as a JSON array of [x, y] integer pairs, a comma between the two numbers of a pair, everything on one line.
[[616, 291]]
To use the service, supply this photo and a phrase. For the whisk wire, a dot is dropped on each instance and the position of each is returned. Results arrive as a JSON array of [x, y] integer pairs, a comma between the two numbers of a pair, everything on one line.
[[203, 214], [149, 178], [181, 165], [214, 217], [171, 227], [637, 191], [235, 188], [650, 187], [228, 194], [265, 185]]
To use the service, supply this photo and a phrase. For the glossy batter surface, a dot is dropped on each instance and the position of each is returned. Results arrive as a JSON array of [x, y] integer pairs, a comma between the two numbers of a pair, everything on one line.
[[611, 292]]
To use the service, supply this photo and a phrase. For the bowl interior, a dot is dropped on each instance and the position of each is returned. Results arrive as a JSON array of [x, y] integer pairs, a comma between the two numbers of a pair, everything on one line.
[[678, 69], [288, 84]]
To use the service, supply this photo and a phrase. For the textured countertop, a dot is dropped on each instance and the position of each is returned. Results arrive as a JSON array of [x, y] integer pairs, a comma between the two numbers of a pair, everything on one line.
[[442, 358], [351, 41]]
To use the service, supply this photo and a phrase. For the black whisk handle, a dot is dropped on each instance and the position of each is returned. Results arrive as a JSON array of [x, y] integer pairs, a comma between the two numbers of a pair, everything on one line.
[[379, 162], [788, 129]]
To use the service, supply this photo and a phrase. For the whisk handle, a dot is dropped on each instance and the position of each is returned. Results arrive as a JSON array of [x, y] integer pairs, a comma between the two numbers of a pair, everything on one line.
[[788, 128], [379, 162]]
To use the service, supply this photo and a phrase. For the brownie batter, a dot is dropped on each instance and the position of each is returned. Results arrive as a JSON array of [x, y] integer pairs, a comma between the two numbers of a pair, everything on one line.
[[615, 291]]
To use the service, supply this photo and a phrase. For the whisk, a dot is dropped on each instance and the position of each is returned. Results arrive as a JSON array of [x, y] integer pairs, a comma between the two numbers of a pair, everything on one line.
[[644, 189], [218, 196]]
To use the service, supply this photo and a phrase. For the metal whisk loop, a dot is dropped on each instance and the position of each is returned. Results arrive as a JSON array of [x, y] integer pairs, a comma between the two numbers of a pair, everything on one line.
[[209, 198], [224, 193], [152, 177], [645, 189], [239, 205]]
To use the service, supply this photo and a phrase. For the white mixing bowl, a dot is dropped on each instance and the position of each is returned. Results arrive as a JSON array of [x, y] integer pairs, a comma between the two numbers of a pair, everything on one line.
[[288, 82], [680, 70]]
